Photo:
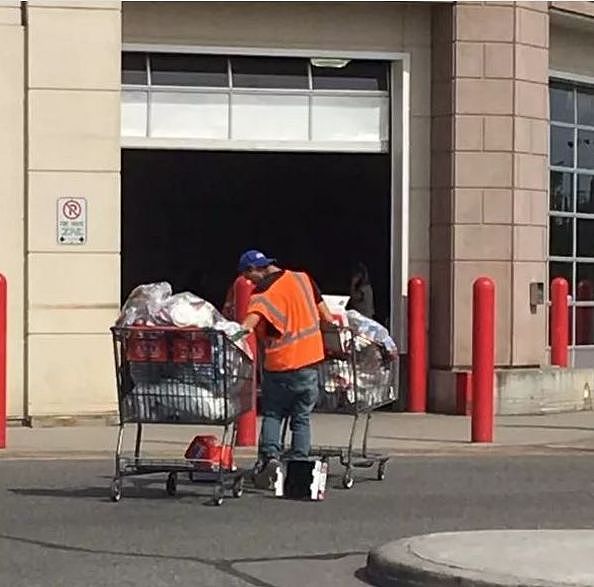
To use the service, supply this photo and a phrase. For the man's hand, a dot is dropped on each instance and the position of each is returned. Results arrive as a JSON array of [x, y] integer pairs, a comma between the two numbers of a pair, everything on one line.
[[247, 327], [239, 335], [250, 322]]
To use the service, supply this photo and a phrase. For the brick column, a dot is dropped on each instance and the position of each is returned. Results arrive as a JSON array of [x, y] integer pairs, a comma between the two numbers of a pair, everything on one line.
[[489, 174]]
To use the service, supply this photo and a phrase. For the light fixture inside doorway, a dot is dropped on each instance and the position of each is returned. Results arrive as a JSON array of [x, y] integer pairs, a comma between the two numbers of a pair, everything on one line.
[[332, 62]]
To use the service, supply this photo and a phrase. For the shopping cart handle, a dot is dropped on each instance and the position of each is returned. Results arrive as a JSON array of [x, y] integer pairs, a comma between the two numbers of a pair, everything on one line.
[[239, 335]]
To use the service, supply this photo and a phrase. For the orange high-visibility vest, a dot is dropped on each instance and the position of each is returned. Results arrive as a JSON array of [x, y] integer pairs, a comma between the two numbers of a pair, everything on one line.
[[289, 305]]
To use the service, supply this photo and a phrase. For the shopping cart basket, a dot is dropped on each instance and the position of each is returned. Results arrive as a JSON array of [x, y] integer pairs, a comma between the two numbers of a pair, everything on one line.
[[182, 376], [357, 377]]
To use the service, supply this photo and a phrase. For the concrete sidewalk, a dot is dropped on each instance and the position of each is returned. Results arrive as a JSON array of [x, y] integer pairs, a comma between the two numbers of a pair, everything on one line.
[[394, 433], [497, 558]]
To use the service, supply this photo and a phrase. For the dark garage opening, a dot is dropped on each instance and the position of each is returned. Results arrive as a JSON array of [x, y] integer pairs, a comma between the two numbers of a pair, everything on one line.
[[187, 216]]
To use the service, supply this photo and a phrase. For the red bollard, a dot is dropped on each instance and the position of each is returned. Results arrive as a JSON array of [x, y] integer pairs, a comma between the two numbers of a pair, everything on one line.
[[483, 359], [246, 426], [559, 322], [3, 335], [417, 346]]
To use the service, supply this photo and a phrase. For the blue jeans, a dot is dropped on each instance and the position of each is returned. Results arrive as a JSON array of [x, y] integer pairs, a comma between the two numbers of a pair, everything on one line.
[[287, 394]]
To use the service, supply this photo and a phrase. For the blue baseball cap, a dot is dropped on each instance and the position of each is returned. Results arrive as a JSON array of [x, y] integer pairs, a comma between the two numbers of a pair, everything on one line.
[[254, 258]]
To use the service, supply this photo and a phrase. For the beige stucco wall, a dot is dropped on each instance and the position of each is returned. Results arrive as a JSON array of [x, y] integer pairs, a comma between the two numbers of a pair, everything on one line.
[[12, 200], [340, 26], [298, 25], [73, 150]]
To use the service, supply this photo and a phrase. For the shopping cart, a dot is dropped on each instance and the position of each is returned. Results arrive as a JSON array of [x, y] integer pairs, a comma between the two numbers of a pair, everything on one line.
[[186, 376], [357, 377]]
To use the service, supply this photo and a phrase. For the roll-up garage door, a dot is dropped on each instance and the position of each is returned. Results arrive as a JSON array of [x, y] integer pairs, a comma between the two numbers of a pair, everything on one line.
[[214, 102]]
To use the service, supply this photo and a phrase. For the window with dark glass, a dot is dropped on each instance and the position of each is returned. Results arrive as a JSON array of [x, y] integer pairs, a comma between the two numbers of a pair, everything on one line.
[[134, 70], [571, 203], [274, 73], [585, 237], [561, 236], [562, 103], [355, 75], [585, 106], [189, 70], [585, 279], [585, 194], [562, 146], [561, 191], [585, 149]]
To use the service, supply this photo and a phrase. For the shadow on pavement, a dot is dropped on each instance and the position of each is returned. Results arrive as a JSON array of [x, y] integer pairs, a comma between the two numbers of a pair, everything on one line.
[[86, 492], [133, 490], [151, 488], [361, 574]]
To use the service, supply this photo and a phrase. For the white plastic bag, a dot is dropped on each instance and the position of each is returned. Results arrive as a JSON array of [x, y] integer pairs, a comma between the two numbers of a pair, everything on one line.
[[187, 309], [144, 304], [371, 329], [184, 403], [153, 304]]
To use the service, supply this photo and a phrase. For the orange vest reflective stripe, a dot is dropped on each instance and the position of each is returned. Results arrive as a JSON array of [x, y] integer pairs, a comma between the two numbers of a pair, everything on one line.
[[289, 305]]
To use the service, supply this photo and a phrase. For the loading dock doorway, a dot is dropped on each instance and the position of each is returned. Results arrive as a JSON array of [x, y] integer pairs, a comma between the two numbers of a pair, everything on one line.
[[187, 215], [307, 152]]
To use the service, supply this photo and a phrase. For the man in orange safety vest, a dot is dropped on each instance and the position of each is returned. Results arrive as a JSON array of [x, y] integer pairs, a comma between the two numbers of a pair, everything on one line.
[[285, 310]]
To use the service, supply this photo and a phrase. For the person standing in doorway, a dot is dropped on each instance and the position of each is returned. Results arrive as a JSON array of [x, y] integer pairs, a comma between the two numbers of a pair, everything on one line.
[[228, 310], [361, 292], [285, 310]]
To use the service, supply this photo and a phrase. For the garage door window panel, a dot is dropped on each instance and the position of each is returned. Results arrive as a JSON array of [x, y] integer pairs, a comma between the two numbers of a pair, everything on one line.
[[134, 113], [257, 72], [269, 117], [348, 118], [189, 70], [189, 115], [255, 99]]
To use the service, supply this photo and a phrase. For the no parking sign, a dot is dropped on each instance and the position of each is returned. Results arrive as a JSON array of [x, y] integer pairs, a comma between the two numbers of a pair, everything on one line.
[[72, 221]]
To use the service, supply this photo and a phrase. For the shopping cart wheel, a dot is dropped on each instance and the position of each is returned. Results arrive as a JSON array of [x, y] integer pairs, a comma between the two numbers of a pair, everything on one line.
[[238, 487], [381, 470], [218, 494], [347, 479], [116, 489], [171, 485]]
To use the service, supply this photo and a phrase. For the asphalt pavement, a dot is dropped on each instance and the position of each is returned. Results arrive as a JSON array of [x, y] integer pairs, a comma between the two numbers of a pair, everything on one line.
[[59, 528]]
